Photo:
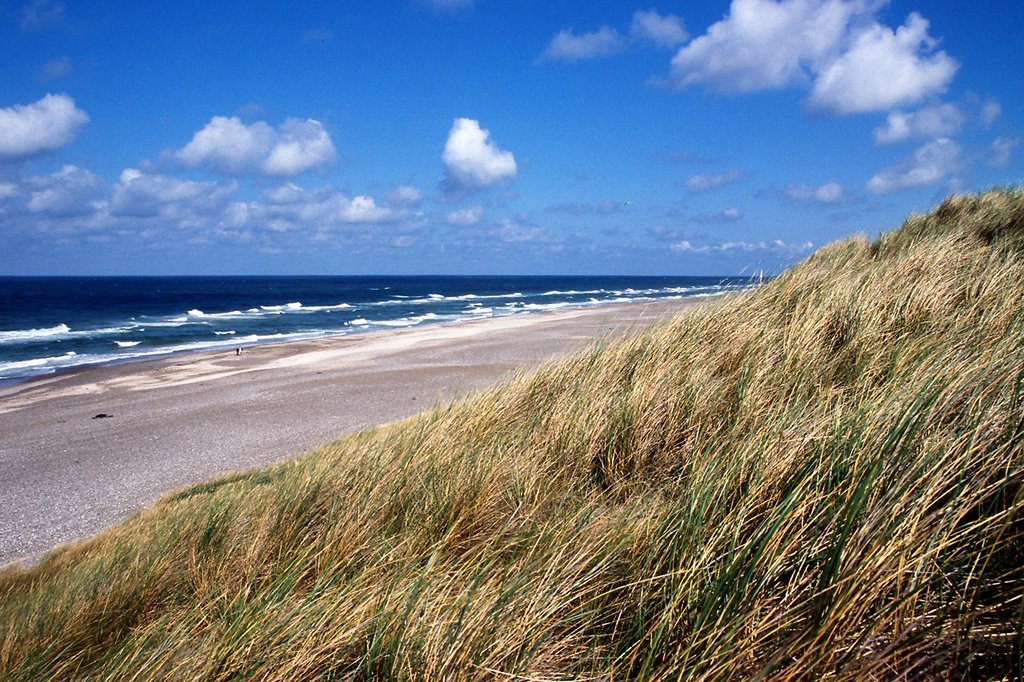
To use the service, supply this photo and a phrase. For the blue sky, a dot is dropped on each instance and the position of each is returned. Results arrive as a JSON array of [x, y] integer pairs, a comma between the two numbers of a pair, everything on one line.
[[490, 136]]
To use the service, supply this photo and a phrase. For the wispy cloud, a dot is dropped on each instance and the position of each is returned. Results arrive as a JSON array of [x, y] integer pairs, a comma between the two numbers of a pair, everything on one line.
[[928, 165], [584, 208], [729, 215], [405, 196], [447, 5], [317, 35], [1000, 152], [650, 27], [775, 247], [991, 110], [40, 14], [702, 183], [830, 193], [568, 46], [511, 232], [662, 30], [55, 69], [940, 120], [465, 217], [686, 156]]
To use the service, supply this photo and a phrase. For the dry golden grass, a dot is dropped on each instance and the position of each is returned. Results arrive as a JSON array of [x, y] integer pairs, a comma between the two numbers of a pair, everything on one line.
[[819, 479]]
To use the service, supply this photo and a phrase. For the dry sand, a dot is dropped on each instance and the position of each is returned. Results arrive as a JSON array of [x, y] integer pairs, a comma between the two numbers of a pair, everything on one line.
[[65, 475]]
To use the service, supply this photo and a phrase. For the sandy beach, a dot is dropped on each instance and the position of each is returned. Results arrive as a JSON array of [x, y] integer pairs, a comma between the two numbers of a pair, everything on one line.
[[66, 474]]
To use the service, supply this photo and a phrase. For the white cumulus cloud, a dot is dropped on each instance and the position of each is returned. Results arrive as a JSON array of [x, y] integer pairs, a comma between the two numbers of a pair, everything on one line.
[[362, 209], [764, 44], [883, 69], [300, 146], [928, 165], [472, 161], [850, 61], [43, 126], [229, 145]]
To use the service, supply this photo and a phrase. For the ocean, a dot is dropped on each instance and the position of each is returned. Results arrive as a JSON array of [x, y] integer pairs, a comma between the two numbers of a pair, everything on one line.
[[49, 324]]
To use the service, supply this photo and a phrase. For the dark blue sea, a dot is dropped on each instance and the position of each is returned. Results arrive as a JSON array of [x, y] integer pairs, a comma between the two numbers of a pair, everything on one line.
[[56, 323]]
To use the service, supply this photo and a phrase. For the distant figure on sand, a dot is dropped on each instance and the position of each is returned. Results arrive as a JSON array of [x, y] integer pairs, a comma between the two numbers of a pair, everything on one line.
[[238, 350]]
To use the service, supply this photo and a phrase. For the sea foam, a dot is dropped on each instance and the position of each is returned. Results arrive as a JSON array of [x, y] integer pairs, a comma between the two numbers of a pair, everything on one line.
[[25, 335]]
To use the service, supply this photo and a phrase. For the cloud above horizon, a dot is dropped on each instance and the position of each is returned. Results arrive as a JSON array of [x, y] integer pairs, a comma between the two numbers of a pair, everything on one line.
[[447, 5], [662, 30], [472, 161], [44, 126], [837, 48], [929, 164], [648, 26], [940, 120], [1000, 152], [179, 203], [55, 69], [568, 46], [39, 14], [465, 217], [230, 146], [777, 246], [74, 202], [729, 215], [405, 196], [70, 191], [829, 193], [703, 183]]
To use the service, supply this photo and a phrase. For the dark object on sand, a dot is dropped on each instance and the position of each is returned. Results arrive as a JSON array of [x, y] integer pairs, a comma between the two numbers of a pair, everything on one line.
[[103, 415]]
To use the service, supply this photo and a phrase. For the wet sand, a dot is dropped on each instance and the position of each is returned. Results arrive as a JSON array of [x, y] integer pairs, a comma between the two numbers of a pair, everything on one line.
[[172, 422]]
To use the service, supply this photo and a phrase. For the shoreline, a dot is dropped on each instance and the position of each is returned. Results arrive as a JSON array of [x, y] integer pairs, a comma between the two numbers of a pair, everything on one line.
[[170, 353], [66, 474]]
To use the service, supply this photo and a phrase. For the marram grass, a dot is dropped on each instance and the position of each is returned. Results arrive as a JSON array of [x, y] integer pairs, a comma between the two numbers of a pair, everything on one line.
[[820, 479]]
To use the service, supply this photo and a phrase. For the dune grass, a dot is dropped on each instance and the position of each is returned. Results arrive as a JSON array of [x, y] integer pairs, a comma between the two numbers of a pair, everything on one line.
[[819, 479]]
